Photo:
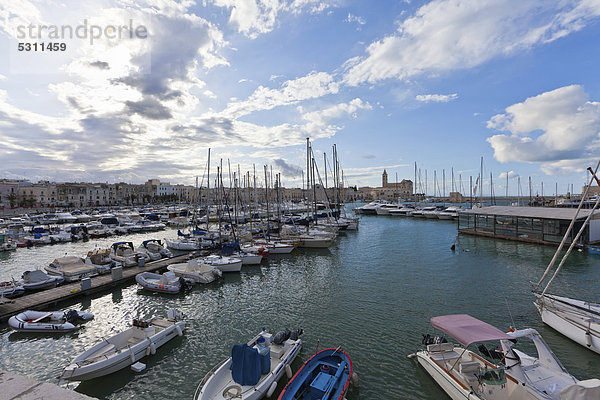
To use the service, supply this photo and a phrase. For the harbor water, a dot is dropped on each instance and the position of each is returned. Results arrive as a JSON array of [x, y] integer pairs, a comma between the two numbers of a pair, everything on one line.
[[372, 293]]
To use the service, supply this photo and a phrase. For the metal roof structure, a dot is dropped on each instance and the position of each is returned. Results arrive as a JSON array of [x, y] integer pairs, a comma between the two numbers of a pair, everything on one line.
[[533, 212]]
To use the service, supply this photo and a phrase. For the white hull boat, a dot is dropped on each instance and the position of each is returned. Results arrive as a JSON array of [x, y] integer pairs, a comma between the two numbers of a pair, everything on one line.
[[510, 374], [71, 268], [124, 253], [183, 244], [165, 283], [225, 264], [125, 348], [277, 247], [578, 320], [154, 250], [51, 322], [248, 258], [38, 280], [194, 269], [238, 377], [316, 242]]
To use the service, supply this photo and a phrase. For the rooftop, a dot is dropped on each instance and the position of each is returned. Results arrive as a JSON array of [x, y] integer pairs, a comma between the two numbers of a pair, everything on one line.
[[533, 212]]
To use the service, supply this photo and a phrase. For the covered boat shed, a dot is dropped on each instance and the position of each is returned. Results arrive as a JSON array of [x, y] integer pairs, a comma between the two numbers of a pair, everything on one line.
[[529, 224]]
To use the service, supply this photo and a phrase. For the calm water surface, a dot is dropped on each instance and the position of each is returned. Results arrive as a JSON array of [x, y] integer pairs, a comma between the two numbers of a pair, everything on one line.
[[372, 293]]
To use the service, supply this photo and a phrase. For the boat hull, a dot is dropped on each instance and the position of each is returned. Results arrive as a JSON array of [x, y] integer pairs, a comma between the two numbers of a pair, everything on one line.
[[573, 322], [450, 386], [116, 361], [330, 366]]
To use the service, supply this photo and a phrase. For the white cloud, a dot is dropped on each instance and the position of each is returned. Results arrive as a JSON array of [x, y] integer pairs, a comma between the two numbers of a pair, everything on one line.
[[511, 175], [444, 35], [243, 80], [353, 18], [313, 85], [436, 98], [209, 94], [558, 129], [2, 77], [253, 18]]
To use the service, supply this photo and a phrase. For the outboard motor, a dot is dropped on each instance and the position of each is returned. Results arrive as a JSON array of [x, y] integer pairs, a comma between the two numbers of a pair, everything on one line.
[[282, 336], [71, 316], [294, 335]]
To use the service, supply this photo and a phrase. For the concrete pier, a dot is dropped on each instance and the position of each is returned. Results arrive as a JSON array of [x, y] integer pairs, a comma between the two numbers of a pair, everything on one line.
[[18, 387]]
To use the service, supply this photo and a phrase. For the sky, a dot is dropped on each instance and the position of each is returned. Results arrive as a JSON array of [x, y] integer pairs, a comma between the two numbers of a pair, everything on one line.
[[144, 88]]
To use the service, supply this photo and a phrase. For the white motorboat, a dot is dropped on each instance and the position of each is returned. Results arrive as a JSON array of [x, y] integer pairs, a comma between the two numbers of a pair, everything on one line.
[[100, 258], [225, 264], [384, 209], [433, 213], [6, 243], [162, 283], [125, 348], [184, 244], [253, 369], [65, 218], [125, 253], [39, 280], [276, 247], [10, 290], [71, 268], [196, 270], [255, 249], [368, 209], [248, 258], [449, 213], [154, 250], [498, 373], [48, 322]]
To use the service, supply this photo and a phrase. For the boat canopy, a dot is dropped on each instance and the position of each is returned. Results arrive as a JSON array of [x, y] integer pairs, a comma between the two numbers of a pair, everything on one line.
[[467, 329]]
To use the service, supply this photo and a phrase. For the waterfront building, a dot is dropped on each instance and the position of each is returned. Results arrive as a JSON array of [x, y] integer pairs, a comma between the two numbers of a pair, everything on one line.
[[42, 194], [545, 225], [72, 194]]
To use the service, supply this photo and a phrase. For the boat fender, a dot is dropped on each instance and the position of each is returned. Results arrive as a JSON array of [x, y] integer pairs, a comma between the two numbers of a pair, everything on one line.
[[179, 331], [288, 371], [131, 355], [588, 339], [151, 349], [355, 379], [271, 389]]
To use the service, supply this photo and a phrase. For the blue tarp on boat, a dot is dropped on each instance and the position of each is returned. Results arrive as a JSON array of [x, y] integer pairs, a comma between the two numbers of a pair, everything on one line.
[[245, 365]]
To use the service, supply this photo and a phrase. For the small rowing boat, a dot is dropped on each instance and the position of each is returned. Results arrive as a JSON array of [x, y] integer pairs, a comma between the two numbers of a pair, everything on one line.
[[326, 375]]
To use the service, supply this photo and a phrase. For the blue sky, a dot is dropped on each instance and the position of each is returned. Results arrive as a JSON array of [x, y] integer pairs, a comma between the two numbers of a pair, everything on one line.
[[441, 83]]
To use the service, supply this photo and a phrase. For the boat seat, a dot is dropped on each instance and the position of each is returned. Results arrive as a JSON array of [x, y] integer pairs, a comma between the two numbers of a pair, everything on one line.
[[440, 347], [444, 356], [469, 367], [276, 351], [161, 322]]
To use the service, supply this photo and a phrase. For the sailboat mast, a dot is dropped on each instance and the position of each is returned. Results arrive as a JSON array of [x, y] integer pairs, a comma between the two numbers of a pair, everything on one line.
[[208, 192]]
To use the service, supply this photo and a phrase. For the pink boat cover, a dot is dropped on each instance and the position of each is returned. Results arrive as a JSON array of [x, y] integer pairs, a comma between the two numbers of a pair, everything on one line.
[[467, 329]]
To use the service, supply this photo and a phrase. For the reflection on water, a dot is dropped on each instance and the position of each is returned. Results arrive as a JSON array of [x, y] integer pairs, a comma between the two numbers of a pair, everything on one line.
[[372, 293]]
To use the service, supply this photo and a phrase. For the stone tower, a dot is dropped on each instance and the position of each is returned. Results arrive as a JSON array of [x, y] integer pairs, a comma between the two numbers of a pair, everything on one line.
[[384, 179]]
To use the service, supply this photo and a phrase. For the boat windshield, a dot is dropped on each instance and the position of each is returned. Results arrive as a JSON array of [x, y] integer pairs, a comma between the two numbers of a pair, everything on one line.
[[493, 376]]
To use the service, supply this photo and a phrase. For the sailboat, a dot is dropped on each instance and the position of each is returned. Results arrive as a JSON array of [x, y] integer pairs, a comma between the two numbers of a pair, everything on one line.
[[579, 320]]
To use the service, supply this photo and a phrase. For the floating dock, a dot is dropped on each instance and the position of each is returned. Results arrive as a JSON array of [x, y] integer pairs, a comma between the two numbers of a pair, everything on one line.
[[13, 387], [73, 291]]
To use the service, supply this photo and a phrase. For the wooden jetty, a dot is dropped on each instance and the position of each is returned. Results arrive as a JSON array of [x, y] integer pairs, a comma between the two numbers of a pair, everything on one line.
[[72, 291]]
